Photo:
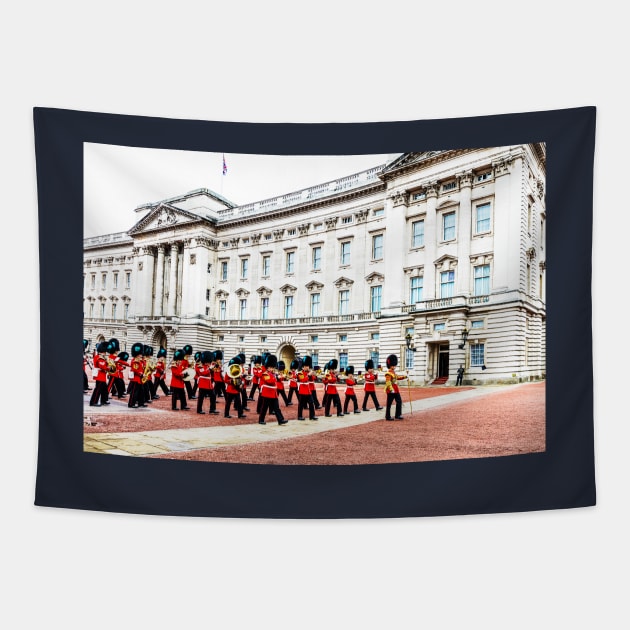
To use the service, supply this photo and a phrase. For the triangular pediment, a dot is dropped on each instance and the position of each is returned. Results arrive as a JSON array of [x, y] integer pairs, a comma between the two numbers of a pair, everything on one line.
[[263, 291], [313, 285], [163, 216], [410, 159], [343, 282], [288, 288], [375, 278]]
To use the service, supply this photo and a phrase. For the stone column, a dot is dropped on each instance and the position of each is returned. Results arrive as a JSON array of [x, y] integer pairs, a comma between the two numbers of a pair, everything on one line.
[[143, 281], [172, 283], [464, 234], [431, 238], [159, 283], [186, 287], [395, 212]]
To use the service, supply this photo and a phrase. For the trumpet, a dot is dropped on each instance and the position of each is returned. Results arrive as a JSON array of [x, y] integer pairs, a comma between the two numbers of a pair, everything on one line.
[[112, 368]]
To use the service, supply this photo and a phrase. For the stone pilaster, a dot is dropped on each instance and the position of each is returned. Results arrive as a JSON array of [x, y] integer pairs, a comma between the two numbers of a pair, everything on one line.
[[464, 234], [172, 283], [159, 283], [431, 237], [395, 212]]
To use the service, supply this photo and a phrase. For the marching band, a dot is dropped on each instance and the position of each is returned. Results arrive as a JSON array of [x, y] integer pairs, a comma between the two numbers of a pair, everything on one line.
[[201, 376]]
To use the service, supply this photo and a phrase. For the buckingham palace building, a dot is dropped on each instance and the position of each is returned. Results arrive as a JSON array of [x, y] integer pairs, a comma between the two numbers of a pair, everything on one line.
[[437, 257]]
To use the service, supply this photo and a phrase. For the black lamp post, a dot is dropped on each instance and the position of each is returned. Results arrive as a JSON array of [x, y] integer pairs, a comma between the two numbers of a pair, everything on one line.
[[464, 338], [408, 341]]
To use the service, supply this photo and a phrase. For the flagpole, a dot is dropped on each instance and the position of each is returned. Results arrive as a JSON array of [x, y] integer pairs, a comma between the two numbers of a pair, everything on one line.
[[222, 174]]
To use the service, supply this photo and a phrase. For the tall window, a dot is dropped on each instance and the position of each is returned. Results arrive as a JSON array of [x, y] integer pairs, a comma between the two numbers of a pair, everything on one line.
[[92, 310], [103, 310], [115, 280], [448, 226], [288, 306], [224, 270], [290, 262], [103, 280], [93, 281], [482, 280], [126, 311], [482, 222], [447, 284], [222, 309], [409, 357], [377, 247], [343, 360], [317, 258], [315, 357], [127, 280], [315, 304], [264, 308], [244, 268], [242, 309], [344, 302], [416, 289], [477, 354], [374, 355], [266, 265], [114, 309], [417, 234], [345, 253], [375, 299]]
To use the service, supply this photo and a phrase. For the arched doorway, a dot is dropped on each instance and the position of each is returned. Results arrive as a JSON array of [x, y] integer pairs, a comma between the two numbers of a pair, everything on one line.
[[286, 353], [159, 340]]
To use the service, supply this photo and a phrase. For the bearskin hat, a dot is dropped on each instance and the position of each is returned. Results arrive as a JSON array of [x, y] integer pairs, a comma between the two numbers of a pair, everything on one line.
[[281, 365], [136, 349], [161, 352], [271, 361], [350, 369], [197, 355], [123, 355], [115, 344], [307, 362], [234, 361], [86, 343], [218, 355], [242, 357], [253, 358], [102, 347], [295, 364], [369, 364], [332, 364], [188, 349], [392, 360], [179, 355], [207, 356]]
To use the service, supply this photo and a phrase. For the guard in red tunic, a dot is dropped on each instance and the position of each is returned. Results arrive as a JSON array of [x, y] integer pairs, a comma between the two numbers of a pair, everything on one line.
[[369, 388], [86, 364], [330, 387], [186, 363], [217, 374], [313, 377], [233, 389], [113, 347], [136, 391], [280, 378], [99, 395], [159, 376], [269, 391], [206, 384], [178, 392], [256, 374], [391, 388], [305, 399], [350, 395], [119, 376], [295, 364]]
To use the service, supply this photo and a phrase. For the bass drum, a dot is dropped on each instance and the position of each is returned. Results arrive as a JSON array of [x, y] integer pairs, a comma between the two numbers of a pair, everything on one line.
[[188, 374]]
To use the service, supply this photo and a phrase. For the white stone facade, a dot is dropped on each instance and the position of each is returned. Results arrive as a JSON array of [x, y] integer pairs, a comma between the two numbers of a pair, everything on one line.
[[428, 245]]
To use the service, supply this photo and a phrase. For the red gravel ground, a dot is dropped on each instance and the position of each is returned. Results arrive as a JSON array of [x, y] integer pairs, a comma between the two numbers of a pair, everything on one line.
[[507, 422], [131, 420]]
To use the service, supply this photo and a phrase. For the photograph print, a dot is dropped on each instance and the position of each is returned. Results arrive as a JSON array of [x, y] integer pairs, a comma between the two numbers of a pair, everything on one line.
[[314, 310]]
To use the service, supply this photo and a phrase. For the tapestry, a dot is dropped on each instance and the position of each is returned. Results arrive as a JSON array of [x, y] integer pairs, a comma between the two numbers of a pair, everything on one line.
[[316, 321]]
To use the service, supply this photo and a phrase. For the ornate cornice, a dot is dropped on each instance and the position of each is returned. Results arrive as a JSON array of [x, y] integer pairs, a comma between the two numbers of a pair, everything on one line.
[[399, 197], [375, 278], [343, 282], [288, 289], [361, 215], [446, 262], [331, 222], [465, 178], [313, 285], [264, 291], [303, 229]]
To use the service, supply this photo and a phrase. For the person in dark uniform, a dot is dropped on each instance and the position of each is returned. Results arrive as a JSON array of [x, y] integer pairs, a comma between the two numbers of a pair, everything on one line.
[[217, 374], [280, 378], [136, 391], [233, 389], [186, 363], [244, 381], [256, 374], [391, 388], [460, 375], [330, 387], [119, 377], [206, 384], [293, 368], [159, 376], [269, 391]]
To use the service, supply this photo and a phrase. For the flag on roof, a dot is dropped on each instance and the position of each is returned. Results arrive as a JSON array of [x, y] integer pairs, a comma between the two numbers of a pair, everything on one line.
[[224, 165]]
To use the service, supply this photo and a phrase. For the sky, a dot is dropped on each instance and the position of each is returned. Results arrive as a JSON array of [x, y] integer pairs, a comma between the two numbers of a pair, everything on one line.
[[118, 179]]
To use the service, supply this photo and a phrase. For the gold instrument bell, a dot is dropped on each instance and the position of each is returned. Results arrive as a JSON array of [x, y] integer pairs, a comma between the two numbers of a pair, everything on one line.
[[235, 370]]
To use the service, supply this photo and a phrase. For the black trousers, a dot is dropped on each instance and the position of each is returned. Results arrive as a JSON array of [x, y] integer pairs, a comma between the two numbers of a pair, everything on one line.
[[459, 380], [270, 404], [304, 401], [99, 395], [118, 388], [371, 395], [203, 394], [333, 399], [178, 393], [391, 397], [243, 398], [136, 394], [315, 400], [252, 390], [292, 390], [161, 383], [86, 384], [233, 398], [346, 402], [282, 395], [189, 389], [219, 389]]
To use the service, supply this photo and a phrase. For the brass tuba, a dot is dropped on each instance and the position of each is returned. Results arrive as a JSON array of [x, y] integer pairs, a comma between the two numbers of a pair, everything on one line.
[[235, 371]]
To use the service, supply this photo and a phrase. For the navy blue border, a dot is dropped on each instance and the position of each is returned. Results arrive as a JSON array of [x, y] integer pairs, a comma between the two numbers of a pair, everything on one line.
[[562, 477]]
